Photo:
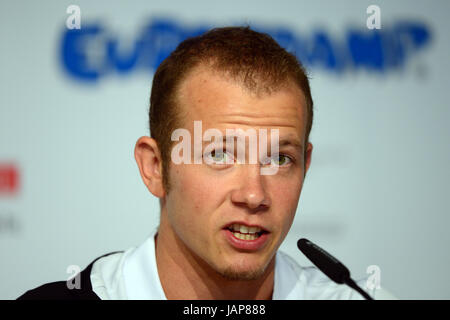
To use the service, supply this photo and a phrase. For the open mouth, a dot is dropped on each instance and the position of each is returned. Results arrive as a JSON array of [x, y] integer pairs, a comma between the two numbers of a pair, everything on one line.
[[244, 232]]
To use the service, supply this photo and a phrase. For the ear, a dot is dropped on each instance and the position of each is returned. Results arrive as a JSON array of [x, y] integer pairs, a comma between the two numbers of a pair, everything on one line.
[[148, 159], [308, 153]]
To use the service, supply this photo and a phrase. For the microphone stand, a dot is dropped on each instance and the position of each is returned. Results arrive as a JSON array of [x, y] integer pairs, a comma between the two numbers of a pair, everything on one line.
[[329, 265], [352, 284]]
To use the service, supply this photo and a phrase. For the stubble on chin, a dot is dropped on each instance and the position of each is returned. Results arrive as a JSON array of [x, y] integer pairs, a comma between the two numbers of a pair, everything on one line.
[[233, 273]]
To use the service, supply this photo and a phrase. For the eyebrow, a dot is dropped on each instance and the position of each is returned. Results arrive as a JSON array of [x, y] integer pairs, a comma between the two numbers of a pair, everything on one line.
[[284, 142]]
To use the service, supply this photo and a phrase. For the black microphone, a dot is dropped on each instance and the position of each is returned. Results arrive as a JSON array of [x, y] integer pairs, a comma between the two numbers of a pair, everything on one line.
[[329, 265]]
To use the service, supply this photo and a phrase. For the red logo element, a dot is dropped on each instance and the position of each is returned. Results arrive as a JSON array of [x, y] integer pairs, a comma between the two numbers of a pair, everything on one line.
[[9, 179]]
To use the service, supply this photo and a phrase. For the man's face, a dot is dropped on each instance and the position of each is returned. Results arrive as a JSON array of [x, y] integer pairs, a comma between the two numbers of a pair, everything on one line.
[[210, 206]]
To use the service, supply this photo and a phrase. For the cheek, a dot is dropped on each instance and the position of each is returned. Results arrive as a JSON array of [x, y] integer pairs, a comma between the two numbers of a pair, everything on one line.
[[193, 188], [195, 195], [185, 205], [285, 198], [287, 191]]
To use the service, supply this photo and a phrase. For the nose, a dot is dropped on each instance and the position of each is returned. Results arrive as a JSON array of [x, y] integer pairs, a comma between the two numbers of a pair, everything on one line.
[[252, 190]]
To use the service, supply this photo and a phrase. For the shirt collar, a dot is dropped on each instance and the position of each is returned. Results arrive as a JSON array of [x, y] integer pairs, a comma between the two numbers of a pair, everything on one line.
[[142, 280], [141, 273]]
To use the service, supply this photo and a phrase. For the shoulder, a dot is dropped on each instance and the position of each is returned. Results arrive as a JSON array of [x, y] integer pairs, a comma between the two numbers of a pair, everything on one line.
[[61, 290], [50, 291], [293, 281], [107, 276]]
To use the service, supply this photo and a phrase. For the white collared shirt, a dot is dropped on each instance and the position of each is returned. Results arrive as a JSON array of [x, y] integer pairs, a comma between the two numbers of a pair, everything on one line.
[[133, 275]]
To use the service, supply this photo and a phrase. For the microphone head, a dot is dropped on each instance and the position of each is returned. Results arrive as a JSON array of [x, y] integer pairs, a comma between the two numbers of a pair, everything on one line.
[[328, 264]]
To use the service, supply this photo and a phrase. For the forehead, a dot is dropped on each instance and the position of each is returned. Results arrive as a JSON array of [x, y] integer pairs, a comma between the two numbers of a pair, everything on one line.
[[220, 102]]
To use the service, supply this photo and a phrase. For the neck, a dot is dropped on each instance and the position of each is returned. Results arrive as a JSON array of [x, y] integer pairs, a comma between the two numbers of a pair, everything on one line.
[[185, 276]]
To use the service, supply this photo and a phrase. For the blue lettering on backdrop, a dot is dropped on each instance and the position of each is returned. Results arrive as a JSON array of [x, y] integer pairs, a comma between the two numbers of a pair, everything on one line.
[[91, 52]]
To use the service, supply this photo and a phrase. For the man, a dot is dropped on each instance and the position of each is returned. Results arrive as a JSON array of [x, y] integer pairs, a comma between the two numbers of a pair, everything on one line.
[[222, 220]]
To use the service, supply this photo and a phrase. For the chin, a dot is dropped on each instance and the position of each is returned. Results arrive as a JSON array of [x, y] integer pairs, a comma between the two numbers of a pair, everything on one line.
[[243, 273]]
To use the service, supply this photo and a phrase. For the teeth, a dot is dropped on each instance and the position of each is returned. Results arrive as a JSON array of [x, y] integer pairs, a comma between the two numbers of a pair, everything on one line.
[[245, 236], [244, 229], [253, 230]]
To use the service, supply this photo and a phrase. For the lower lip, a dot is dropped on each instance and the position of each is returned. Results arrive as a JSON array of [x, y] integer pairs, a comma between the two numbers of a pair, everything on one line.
[[251, 245]]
